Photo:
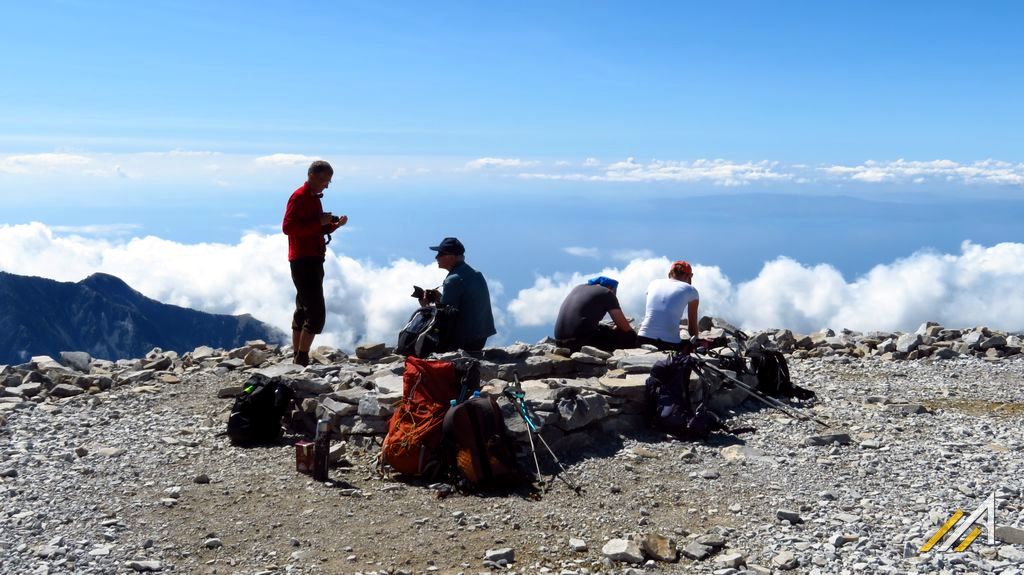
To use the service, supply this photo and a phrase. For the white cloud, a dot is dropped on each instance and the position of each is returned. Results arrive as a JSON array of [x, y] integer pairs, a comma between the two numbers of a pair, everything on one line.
[[630, 255], [979, 286], [42, 163], [717, 172], [582, 252], [97, 229], [497, 163], [980, 172], [284, 160], [366, 301]]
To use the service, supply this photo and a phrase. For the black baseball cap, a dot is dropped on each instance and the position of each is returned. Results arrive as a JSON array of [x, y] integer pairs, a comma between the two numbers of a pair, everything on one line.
[[450, 246]]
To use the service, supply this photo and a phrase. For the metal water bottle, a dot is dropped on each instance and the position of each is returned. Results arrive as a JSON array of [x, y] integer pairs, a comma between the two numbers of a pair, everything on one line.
[[321, 449]]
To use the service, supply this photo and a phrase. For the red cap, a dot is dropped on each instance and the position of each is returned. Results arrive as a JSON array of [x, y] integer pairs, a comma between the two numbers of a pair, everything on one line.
[[681, 268]]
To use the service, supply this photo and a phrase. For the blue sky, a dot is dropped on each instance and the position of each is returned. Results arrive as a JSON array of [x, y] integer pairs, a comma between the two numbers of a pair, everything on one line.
[[554, 138]]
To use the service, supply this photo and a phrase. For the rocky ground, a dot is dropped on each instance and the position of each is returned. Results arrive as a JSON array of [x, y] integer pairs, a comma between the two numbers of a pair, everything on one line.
[[135, 476]]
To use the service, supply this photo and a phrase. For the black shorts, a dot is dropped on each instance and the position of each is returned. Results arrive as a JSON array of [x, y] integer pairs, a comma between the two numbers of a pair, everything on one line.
[[310, 309], [663, 345]]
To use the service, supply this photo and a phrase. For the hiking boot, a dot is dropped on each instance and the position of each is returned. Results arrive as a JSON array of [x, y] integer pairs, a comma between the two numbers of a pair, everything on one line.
[[301, 358]]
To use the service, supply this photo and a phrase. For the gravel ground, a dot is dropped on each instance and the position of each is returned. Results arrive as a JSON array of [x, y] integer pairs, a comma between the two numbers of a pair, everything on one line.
[[138, 479]]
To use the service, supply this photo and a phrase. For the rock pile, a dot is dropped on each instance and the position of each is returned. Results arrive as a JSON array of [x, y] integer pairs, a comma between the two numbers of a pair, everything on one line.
[[929, 340], [114, 467]]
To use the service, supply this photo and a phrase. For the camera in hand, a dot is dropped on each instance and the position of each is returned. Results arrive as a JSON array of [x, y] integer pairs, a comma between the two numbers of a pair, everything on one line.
[[431, 295], [335, 219]]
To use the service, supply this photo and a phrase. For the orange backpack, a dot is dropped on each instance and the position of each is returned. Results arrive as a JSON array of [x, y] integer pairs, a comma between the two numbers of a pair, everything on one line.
[[412, 445]]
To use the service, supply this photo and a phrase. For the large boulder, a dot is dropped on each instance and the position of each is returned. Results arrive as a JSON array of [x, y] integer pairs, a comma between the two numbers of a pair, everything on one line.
[[77, 360]]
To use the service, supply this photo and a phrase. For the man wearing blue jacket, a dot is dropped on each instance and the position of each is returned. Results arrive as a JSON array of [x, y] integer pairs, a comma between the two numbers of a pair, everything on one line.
[[465, 291]]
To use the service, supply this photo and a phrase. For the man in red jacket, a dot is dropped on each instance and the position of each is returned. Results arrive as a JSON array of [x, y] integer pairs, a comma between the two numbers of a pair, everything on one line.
[[305, 223]]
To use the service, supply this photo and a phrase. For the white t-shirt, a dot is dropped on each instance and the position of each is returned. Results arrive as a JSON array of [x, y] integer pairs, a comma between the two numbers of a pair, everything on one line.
[[667, 300]]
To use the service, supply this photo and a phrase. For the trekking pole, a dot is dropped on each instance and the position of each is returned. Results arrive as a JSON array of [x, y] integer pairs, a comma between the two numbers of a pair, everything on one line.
[[769, 401], [517, 397]]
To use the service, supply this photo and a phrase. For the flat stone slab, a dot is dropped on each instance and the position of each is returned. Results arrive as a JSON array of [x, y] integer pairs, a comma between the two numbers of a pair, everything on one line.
[[278, 370]]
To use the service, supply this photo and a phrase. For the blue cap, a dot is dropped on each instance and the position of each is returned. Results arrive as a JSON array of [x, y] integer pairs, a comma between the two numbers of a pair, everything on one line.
[[604, 282]]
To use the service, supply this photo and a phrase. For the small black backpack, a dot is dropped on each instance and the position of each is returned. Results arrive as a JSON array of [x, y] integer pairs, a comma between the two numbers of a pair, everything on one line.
[[256, 415], [772, 373], [425, 332]]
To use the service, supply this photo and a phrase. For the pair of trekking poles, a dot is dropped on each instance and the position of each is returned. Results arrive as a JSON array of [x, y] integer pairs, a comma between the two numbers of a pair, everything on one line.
[[771, 402], [517, 397]]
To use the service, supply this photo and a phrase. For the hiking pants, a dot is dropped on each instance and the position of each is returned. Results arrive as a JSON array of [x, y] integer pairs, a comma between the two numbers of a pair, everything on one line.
[[310, 309]]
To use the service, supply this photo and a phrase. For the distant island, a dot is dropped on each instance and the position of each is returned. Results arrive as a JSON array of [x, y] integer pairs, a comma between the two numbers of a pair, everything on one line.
[[104, 316]]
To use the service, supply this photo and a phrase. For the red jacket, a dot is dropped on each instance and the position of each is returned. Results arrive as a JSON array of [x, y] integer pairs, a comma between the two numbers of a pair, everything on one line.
[[302, 225]]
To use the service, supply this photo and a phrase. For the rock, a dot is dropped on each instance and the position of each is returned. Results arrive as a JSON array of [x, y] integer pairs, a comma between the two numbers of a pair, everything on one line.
[[201, 479], [578, 545], [787, 515], [77, 360], [945, 353], [828, 439], [337, 453], [256, 357], [213, 543], [388, 384], [229, 391], [110, 451], [505, 553], [1011, 535], [624, 550], [1011, 553], [277, 370], [31, 389], [163, 362], [65, 390], [146, 566], [640, 363], [630, 388], [659, 547], [733, 560], [710, 474], [994, 341], [309, 386], [785, 561], [593, 351], [372, 406], [587, 359], [745, 452], [696, 551], [908, 342], [133, 377], [580, 411], [371, 351], [203, 352]]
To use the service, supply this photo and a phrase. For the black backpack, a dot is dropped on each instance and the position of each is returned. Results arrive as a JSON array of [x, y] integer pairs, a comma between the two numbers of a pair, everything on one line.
[[669, 405], [772, 373], [477, 445], [256, 415], [426, 331]]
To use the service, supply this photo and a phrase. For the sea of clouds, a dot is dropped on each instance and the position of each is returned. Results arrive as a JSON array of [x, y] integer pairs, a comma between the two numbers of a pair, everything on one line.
[[369, 301]]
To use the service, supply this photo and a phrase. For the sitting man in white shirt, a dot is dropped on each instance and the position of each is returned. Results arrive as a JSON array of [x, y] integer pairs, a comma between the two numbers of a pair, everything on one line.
[[667, 301]]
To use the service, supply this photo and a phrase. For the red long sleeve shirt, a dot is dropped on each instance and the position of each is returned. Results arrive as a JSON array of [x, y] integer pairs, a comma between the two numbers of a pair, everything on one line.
[[302, 225]]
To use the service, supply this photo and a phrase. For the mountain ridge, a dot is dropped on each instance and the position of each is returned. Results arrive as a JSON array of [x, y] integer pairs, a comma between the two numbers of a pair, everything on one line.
[[105, 317]]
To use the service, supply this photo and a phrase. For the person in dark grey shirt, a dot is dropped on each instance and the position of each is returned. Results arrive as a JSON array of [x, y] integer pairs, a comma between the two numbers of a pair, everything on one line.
[[579, 318], [465, 290]]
